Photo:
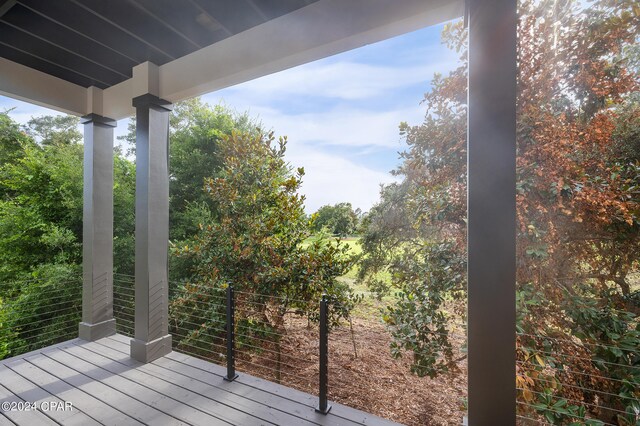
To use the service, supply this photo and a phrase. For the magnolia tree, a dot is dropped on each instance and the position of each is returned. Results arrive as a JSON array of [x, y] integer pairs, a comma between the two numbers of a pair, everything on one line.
[[257, 245]]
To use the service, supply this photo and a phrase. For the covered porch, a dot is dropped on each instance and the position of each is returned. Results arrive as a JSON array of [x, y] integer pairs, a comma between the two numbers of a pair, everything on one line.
[[106, 61]]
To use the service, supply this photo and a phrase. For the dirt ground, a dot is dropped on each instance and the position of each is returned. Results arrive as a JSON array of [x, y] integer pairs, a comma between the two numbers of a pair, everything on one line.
[[373, 381]]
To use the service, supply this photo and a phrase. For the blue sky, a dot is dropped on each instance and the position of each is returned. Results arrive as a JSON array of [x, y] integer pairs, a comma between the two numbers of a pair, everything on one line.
[[340, 114]]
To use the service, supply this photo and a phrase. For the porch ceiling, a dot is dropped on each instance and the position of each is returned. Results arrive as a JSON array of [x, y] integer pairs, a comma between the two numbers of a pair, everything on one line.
[[97, 42], [78, 56]]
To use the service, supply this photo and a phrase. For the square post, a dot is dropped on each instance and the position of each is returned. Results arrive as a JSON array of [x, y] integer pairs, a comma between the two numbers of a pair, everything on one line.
[[97, 226], [152, 339], [492, 211]]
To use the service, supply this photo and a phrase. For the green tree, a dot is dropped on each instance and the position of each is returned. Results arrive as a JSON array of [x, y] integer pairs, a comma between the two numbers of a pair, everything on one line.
[[196, 132], [55, 129], [41, 231], [256, 244], [339, 219]]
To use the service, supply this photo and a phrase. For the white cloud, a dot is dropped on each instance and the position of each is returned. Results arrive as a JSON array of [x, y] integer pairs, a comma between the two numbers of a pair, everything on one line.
[[340, 126], [22, 112], [330, 179], [337, 80]]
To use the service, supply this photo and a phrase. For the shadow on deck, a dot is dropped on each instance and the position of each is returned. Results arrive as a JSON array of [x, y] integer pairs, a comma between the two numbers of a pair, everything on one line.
[[105, 386]]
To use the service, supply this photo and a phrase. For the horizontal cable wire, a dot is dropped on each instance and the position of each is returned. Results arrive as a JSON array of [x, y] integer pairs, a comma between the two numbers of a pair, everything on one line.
[[273, 352], [282, 363], [533, 420], [273, 296], [244, 361], [586, 389], [42, 320], [192, 292], [191, 339], [557, 354], [11, 303], [255, 338], [178, 349], [555, 411], [575, 372], [36, 310], [64, 334], [201, 325], [205, 303], [122, 313], [223, 331], [601, 407], [123, 275], [24, 315], [47, 312], [38, 281], [241, 327], [209, 319], [578, 343], [262, 331]]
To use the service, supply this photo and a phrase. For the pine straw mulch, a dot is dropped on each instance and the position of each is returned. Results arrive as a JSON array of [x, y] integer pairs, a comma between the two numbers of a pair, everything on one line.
[[373, 381]]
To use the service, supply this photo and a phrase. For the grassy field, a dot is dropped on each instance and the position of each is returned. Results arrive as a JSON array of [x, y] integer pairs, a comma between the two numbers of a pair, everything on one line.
[[370, 306]]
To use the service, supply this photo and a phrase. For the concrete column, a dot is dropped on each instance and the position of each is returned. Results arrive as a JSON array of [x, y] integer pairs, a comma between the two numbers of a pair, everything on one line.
[[492, 211], [152, 339], [97, 239]]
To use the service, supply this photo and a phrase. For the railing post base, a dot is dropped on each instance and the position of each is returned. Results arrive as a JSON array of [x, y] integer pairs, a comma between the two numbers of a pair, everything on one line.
[[325, 411], [230, 379]]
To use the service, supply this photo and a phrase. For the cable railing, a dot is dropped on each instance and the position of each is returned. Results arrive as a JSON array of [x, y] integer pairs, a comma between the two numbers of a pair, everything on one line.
[[124, 303], [259, 342], [37, 313], [561, 377], [247, 332], [568, 377]]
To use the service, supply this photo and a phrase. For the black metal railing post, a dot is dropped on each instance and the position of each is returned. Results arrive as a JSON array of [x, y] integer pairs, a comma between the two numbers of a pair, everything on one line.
[[323, 405], [231, 336]]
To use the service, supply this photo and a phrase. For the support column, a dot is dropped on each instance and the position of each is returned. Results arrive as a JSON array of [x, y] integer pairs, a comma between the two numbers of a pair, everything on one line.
[[97, 225], [152, 339], [492, 212]]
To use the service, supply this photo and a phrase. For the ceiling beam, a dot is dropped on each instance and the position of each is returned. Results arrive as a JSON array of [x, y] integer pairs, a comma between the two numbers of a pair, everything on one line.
[[319, 30], [29, 85], [5, 5]]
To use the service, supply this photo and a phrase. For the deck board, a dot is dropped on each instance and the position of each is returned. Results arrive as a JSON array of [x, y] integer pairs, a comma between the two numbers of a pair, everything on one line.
[[301, 413], [29, 391], [112, 409], [107, 387], [135, 387], [114, 396], [219, 392], [218, 409], [34, 418]]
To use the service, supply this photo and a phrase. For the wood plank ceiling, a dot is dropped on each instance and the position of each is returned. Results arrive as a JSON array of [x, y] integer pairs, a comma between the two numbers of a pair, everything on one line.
[[98, 42]]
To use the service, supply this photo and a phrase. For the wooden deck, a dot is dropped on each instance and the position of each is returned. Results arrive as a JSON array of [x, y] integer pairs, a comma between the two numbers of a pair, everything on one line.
[[105, 386]]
